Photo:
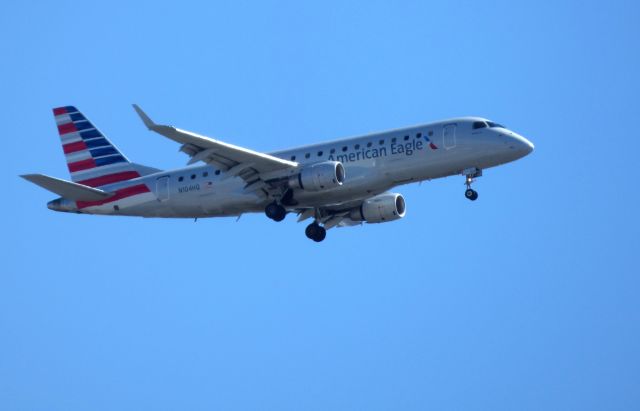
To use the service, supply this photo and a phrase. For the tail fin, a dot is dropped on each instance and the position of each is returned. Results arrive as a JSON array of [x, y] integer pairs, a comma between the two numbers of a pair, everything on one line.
[[92, 159]]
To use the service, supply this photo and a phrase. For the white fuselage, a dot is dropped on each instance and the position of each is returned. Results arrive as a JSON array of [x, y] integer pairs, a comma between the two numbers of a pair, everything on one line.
[[373, 163]]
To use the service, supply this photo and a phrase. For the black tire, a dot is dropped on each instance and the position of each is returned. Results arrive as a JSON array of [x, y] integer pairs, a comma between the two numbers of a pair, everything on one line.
[[321, 234], [471, 194], [275, 211], [315, 232], [270, 210], [310, 231], [281, 214], [468, 193]]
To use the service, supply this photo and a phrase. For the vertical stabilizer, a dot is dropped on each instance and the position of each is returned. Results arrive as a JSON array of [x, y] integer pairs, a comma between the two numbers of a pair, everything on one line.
[[92, 159]]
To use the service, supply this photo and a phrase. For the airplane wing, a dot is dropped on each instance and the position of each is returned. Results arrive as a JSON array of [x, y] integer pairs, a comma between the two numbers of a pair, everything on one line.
[[328, 218], [252, 166], [336, 215], [67, 189], [342, 214]]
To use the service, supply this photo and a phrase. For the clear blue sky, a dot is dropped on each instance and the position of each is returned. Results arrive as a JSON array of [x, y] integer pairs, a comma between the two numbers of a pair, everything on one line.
[[527, 299]]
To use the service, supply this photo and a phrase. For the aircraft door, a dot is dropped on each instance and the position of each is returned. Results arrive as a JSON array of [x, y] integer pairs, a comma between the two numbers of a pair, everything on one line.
[[449, 136], [162, 188]]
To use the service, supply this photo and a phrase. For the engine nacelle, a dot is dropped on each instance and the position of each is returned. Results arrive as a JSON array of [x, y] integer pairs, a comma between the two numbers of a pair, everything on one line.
[[319, 176], [380, 209]]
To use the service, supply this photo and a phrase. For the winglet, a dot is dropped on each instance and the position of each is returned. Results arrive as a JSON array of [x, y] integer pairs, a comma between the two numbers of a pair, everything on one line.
[[145, 118]]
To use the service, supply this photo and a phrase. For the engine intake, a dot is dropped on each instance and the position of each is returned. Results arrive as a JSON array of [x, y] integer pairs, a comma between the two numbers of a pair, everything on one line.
[[380, 209], [319, 176]]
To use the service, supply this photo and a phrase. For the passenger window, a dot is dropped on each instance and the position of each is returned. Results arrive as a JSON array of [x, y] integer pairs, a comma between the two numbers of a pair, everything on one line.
[[479, 124], [369, 144], [406, 138], [205, 174], [293, 158], [418, 135], [357, 147], [180, 178], [333, 150], [319, 153], [307, 155], [193, 176], [393, 140], [217, 172], [344, 148], [430, 133], [381, 142]]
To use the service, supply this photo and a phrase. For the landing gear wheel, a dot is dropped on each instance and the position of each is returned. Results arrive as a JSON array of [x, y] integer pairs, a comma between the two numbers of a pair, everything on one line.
[[282, 213], [275, 211], [471, 174], [315, 232]]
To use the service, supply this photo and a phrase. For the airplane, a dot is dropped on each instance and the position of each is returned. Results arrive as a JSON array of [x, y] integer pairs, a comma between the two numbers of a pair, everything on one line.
[[336, 184]]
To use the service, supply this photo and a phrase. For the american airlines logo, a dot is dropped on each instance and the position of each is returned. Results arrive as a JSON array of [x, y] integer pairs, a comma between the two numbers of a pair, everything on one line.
[[396, 148]]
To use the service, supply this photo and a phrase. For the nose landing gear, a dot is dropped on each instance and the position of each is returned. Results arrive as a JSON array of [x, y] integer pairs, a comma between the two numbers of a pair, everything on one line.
[[470, 175]]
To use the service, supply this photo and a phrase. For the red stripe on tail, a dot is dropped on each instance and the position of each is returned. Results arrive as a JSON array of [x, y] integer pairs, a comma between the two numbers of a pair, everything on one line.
[[110, 178], [73, 147], [82, 165], [67, 128]]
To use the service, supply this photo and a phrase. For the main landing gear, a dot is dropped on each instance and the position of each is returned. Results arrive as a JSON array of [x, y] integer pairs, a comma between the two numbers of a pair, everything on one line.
[[275, 211], [470, 175], [315, 232]]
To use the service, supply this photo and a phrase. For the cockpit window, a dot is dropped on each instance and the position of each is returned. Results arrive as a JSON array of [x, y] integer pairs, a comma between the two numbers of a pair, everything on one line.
[[492, 124], [479, 124]]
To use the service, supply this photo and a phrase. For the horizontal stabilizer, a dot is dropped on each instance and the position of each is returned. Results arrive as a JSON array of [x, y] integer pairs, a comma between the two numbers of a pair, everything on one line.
[[67, 189]]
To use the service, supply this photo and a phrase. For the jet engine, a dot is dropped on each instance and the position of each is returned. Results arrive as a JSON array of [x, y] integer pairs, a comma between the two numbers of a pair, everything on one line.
[[380, 209], [319, 176]]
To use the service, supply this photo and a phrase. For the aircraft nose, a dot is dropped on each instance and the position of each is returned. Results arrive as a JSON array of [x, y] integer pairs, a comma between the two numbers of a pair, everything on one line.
[[527, 146], [520, 145]]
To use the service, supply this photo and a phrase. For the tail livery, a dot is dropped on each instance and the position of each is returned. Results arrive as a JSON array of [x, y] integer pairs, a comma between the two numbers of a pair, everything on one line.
[[93, 162], [91, 158]]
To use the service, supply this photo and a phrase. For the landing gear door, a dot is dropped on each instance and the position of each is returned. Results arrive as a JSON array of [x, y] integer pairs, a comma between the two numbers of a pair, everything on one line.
[[449, 136], [162, 188]]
